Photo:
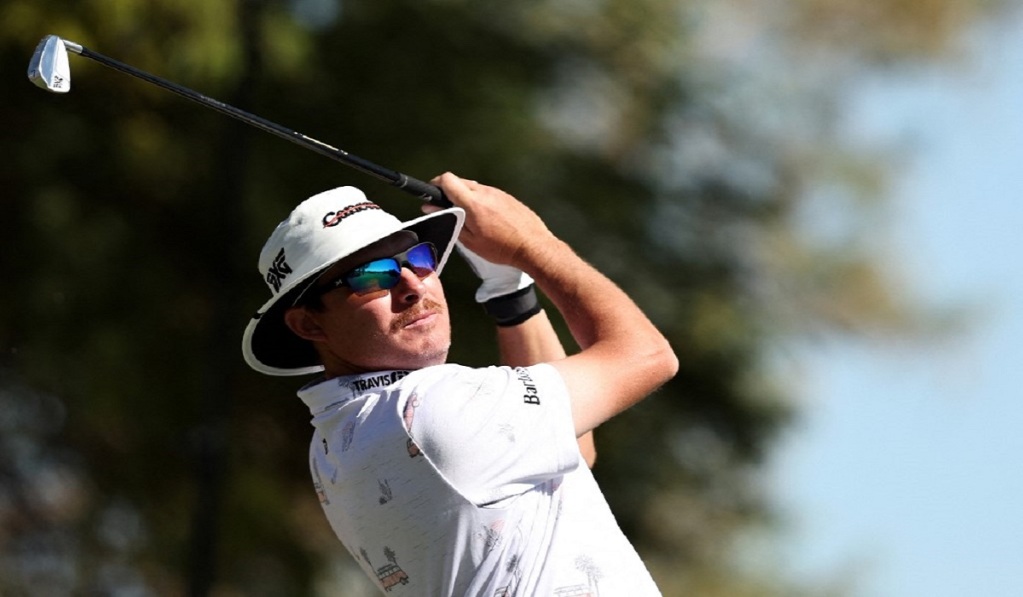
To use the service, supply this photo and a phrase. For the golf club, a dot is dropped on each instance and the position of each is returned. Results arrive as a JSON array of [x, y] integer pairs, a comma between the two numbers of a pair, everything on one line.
[[50, 70]]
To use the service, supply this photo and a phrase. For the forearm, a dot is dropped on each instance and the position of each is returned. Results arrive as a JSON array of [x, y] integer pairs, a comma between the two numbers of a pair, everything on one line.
[[531, 342], [621, 348], [595, 308]]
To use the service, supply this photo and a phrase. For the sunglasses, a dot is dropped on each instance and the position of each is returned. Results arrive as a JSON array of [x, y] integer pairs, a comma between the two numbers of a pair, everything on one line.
[[384, 273]]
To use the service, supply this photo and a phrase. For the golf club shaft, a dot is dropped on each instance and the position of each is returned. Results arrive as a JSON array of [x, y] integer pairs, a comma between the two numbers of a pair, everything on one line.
[[414, 186]]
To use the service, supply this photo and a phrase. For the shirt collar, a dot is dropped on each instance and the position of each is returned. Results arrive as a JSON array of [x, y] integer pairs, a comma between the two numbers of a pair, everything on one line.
[[323, 394]]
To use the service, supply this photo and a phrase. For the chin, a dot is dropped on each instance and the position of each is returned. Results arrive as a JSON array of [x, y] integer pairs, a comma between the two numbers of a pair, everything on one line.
[[410, 358], [430, 358]]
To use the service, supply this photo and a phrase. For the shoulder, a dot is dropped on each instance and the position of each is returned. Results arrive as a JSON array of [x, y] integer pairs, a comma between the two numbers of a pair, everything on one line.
[[491, 432], [451, 403]]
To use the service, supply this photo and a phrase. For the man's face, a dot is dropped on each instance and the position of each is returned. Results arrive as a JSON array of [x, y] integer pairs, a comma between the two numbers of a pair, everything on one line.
[[406, 327]]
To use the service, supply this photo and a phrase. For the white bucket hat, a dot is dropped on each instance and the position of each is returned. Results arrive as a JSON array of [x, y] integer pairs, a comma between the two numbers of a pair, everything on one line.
[[322, 230]]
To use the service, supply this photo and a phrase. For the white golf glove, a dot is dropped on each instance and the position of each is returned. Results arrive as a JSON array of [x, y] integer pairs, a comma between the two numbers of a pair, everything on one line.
[[507, 293], [498, 280]]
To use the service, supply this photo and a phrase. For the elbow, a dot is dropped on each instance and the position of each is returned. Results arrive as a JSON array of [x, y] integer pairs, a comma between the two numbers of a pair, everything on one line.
[[670, 362], [652, 360], [662, 362], [654, 364]]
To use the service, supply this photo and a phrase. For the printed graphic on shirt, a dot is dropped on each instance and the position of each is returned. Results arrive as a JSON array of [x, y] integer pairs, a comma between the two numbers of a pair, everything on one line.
[[389, 575], [409, 415], [587, 566], [491, 535], [507, 431], [574, 591], [513, 565], [511, 568], [318, 485], [347, 435], [385, 491], [530, 395]]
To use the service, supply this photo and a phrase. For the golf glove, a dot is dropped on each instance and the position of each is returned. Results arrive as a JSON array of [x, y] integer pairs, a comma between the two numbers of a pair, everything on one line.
[[507, 293], [498, 280]]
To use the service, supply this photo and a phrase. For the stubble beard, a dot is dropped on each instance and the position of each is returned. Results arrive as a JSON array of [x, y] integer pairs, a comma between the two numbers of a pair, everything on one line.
[[433, 350]]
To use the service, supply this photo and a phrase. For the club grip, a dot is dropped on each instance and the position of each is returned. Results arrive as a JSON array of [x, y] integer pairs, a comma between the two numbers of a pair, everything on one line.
[[428, 192]]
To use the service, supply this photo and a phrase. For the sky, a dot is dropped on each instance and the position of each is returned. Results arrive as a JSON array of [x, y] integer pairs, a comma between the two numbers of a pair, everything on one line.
[[904, 476]]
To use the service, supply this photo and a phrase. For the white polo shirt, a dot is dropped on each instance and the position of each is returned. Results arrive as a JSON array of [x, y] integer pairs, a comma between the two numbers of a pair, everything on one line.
[[458, 481]]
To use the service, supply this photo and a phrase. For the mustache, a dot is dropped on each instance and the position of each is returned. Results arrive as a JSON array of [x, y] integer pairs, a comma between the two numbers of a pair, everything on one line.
[[412, 313]]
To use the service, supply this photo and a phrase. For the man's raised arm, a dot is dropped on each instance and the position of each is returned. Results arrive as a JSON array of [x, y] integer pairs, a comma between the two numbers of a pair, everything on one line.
[[623, 358]]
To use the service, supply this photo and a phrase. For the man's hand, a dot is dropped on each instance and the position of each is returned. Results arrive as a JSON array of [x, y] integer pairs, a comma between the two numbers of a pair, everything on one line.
[[498, 227]]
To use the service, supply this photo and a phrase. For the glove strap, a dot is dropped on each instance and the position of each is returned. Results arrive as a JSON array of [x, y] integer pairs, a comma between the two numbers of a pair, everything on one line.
[[515, 308]]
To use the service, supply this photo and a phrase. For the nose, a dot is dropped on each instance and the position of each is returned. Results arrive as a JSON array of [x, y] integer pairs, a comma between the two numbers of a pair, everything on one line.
[[410, 288]]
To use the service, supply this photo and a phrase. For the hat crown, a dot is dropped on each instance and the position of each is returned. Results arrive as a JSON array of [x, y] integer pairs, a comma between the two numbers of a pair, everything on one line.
[[319, 231]]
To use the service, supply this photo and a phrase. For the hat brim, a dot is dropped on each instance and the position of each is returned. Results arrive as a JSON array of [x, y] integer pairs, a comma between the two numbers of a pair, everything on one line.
[[270, 347]]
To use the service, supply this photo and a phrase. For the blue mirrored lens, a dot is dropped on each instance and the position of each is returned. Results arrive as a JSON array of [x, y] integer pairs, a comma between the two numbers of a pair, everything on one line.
[[380, 274], [422, 259]]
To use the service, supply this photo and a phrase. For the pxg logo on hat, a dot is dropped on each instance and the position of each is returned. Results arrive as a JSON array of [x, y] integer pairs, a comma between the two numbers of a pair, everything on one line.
[[279, 270]]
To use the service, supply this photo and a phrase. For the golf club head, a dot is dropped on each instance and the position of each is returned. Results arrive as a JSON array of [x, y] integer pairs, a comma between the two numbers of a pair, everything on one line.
[[49, 66]]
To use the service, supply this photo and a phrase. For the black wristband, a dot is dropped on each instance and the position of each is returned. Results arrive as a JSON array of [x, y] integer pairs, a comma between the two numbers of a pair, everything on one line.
[[515, 308]]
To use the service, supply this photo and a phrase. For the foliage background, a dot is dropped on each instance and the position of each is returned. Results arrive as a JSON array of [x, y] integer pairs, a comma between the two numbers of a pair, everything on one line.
[[678, 146]]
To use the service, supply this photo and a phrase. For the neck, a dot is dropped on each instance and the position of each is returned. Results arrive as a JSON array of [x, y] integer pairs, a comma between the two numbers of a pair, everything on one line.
[[334, 367]]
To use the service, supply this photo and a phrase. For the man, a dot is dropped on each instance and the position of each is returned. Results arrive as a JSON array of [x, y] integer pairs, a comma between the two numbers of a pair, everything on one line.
[[438, 478]]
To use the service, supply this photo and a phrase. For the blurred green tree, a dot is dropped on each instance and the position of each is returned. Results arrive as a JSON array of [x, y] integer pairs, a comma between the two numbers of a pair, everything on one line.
[[680, 146]]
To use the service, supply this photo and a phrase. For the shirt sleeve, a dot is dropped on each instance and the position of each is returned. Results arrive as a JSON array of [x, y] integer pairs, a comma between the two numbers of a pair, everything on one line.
[[495, 432]]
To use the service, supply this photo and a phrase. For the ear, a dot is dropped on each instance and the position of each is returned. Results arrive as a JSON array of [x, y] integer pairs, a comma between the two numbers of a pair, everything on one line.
[[303, 324]]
